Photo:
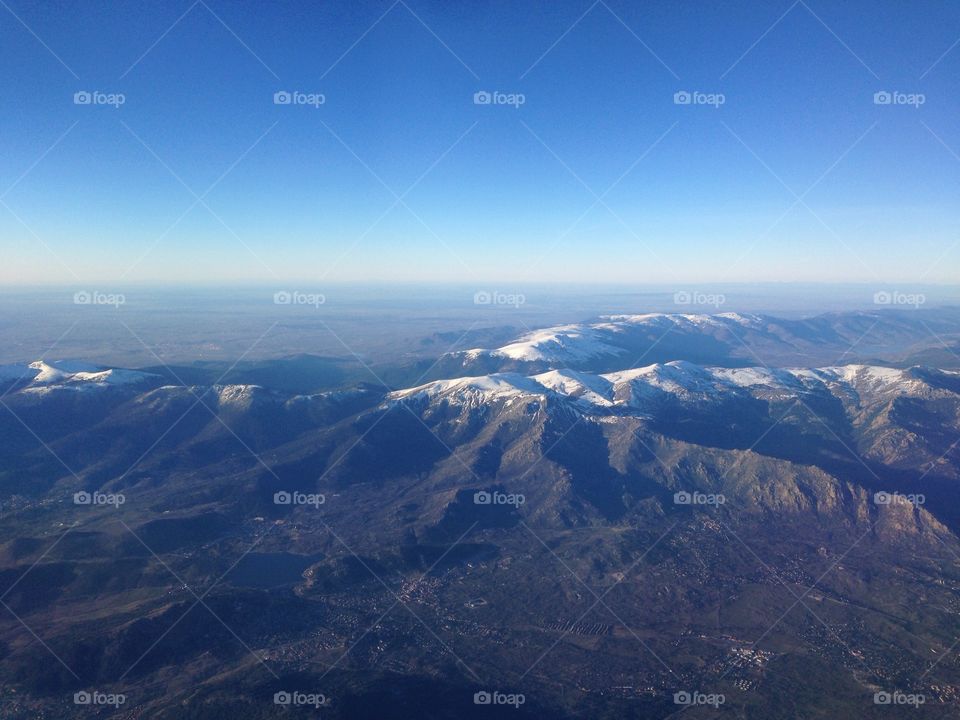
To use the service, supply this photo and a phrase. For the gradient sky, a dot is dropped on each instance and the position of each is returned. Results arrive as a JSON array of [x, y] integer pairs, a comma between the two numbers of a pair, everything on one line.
[[98, 194]]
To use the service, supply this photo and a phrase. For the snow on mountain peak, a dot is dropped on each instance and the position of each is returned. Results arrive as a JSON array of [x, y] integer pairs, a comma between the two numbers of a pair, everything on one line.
[[237, 395], [609, 337], [566, 342], [682, 380], [70, 374], [593, 389], [483, 387]]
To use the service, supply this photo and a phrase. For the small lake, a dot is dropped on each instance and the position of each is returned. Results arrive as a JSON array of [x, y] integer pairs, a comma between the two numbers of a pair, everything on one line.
[[270, 570]]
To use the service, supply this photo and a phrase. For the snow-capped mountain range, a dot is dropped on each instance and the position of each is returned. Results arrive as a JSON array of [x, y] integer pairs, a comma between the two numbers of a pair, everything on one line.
[[613, 342], [637, 388], [571, 343], [841, 475], [40, 376]]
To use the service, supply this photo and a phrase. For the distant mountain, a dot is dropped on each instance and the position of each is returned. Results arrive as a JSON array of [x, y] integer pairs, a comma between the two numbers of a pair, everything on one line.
[[729, 339]]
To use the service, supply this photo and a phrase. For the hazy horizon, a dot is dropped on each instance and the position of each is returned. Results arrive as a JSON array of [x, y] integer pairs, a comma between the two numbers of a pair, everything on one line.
[[127, 325]]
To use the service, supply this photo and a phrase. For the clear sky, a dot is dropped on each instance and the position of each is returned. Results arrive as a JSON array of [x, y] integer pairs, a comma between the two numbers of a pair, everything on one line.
[[598, 176]]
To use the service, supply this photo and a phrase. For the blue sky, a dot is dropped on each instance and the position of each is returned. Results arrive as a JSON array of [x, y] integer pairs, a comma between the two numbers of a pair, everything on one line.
[[599, 176]]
